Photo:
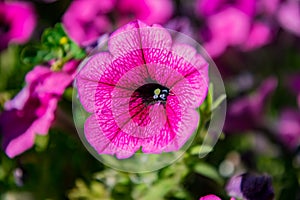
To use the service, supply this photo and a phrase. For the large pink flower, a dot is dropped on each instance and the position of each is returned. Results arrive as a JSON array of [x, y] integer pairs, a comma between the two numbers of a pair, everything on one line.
[[142, 93], [31, 112], [17, 22]]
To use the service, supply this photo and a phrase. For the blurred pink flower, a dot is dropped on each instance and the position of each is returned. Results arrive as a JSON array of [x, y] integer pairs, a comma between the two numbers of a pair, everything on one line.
[[268, 7], [247, 112], [143, 92], [289, 16], [228, 28], [259, 35], [32, 110], [148, 11], [17, 22], [210, 7], [251, 187], [233, 24], [289, 127], [86, 20]]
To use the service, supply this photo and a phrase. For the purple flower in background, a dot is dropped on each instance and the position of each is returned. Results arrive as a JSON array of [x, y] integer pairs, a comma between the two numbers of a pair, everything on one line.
[[182, 25], [148, 11], [247, 112], [86, 20], [17, 22], [142, 93], [251, 187], [289, 16], [293, 83], [289, 127], [32, 110]]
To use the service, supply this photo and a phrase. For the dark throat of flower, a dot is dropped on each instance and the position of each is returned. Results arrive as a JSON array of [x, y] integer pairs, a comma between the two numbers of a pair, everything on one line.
[[152, 93], [4, 25]]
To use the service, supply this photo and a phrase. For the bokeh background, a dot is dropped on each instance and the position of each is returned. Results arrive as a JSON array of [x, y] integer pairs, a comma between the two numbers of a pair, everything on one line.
[[256, 47]]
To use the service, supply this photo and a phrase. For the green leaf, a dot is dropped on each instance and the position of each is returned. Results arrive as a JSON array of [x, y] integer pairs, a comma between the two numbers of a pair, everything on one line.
[[159, 190], [218, 101], [41, 142], [201, 149], [77, 52], [52, 36], [209, 172], [55, 45]]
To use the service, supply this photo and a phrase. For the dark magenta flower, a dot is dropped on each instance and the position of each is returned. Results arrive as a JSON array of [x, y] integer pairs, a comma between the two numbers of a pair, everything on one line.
[[210, 7], [31, 112], [142, 93], [247, 112], [86, 20], [210, 197], [293, 83], [251, 187], [17, 22], [148, 11], [289, 127]]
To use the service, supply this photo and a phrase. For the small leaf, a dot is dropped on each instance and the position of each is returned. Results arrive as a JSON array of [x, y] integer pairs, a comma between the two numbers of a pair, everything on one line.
[[218, 101], [209, 172], [159, 190], [41, 142], [201, 149]]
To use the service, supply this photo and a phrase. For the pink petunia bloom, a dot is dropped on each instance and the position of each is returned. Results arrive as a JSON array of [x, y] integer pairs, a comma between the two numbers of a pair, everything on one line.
[[32, 111], [142, 93], [289, 127], [17, 22], [86, 20]]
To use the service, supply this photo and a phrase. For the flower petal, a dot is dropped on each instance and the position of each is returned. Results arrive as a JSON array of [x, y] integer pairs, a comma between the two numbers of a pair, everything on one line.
[[137, 35], [88, 78], [117, 142]]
